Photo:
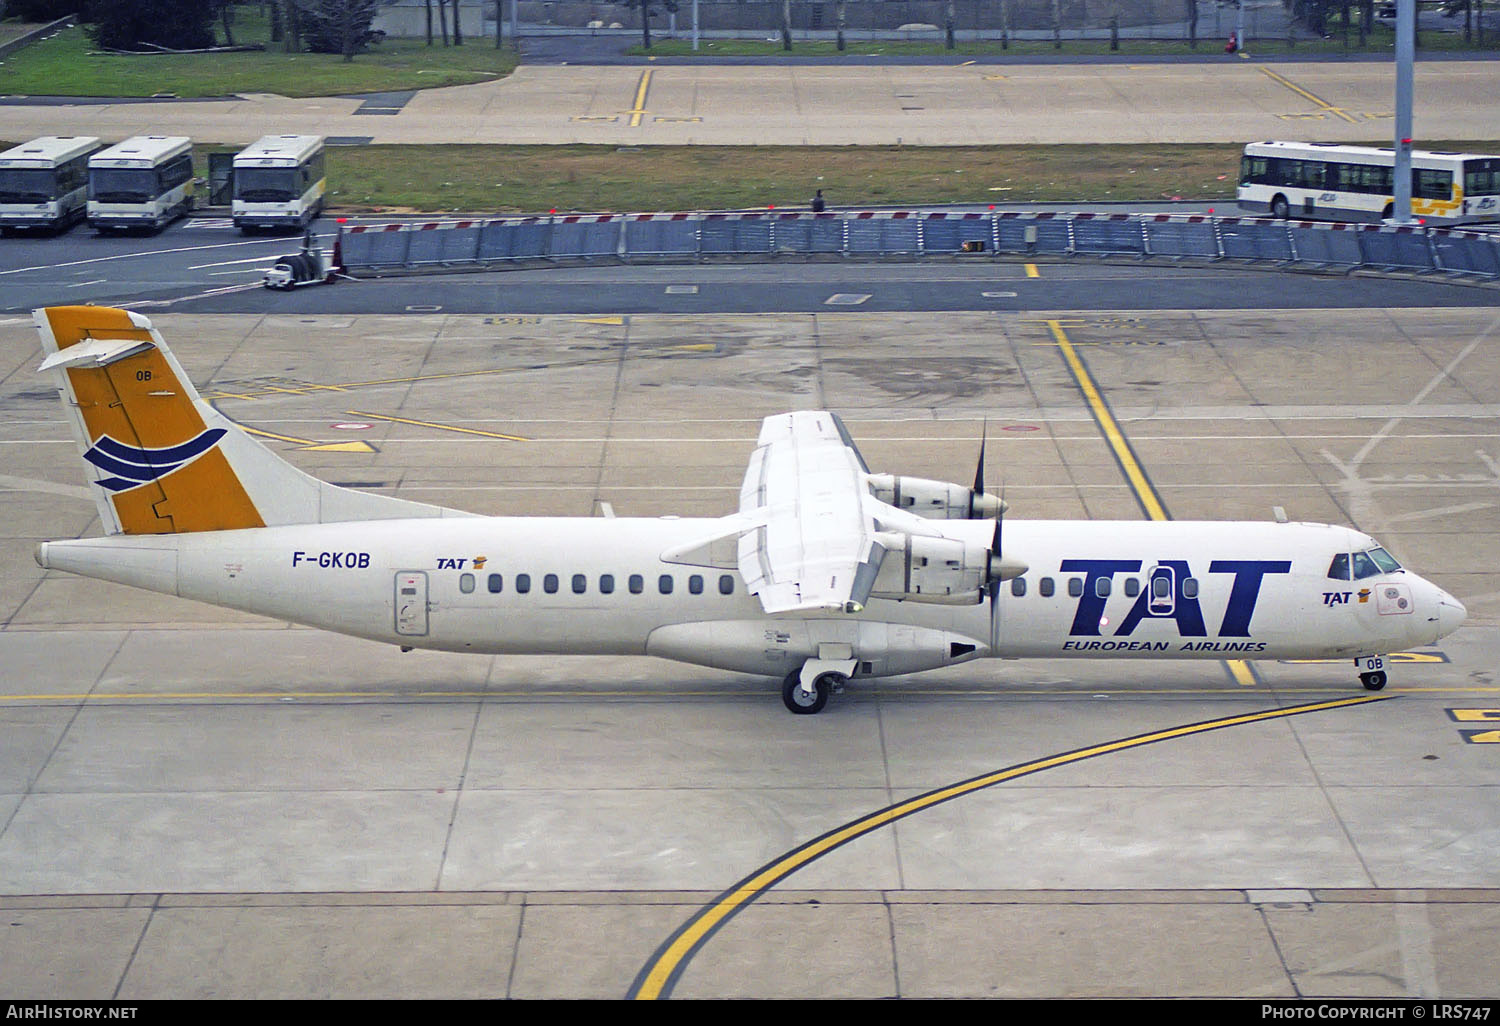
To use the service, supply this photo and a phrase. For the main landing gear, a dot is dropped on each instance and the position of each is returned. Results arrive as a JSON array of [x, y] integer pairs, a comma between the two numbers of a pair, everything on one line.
[[805, 691], [1371, 672]]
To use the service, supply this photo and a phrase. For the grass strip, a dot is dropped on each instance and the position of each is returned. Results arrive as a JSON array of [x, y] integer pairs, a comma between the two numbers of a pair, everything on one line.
[[531, 179], [66, 66]]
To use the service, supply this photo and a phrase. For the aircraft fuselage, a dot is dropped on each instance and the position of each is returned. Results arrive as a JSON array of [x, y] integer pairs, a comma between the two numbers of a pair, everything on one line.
[[1235, 590]]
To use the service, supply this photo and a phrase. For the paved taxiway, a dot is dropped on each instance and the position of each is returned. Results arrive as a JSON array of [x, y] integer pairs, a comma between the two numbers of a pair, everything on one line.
[[197, 802], [1215, 100]]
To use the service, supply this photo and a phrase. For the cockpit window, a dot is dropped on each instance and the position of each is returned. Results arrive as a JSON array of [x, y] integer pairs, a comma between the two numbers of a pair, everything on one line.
[[1359, 565]]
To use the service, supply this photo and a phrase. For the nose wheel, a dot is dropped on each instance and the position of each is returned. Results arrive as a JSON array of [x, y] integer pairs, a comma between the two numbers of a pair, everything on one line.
[[1371, 672]]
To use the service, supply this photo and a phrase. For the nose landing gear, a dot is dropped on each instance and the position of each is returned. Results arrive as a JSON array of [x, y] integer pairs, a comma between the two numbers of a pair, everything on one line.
[[1371, 672]]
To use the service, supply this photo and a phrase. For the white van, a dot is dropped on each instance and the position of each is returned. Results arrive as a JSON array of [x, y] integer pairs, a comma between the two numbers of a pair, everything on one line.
[[44, 183], [142, 182], [278, 182]]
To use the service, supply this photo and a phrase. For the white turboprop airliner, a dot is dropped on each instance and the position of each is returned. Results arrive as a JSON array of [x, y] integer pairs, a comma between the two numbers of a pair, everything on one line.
[[826, 573]]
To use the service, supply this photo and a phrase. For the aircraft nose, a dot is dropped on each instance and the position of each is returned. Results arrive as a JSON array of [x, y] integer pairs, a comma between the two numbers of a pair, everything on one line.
[[1451, 614]]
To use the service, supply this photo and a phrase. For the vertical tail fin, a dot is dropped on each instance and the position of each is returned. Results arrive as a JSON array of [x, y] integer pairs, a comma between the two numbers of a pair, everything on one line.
[[163, 461]]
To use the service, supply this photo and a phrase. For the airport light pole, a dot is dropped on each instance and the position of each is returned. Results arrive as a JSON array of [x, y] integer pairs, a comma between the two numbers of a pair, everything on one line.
[[1406, 33]]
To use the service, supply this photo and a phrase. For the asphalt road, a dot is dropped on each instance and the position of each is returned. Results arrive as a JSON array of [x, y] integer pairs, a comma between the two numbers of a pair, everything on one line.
[[204, 265]]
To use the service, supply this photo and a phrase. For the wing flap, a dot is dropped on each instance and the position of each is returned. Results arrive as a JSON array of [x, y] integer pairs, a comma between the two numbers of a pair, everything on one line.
[[815, 546]]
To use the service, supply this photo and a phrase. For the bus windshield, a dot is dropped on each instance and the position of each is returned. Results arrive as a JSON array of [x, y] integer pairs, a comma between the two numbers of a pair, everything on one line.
[[122, 185], [266, 184], [1482, 177], [27, 185]]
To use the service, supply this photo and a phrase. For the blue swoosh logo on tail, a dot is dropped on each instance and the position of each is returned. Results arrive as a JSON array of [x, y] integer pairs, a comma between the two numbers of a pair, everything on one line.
[[133, 465]]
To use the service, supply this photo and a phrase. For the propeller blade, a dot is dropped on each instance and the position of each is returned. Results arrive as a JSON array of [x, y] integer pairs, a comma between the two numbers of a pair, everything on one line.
[[979, 470]]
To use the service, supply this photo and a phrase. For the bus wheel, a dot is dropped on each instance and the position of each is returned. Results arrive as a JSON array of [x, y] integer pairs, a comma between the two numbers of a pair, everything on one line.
[[1280, 209]]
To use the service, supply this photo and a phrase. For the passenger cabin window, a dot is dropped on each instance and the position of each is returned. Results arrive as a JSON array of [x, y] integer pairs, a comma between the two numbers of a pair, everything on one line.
[[637, 584], [1190, 587], [495, 583], [466, 583], [726, 584], [1047, 587], [1018, 586], [1101, 587], [664, 584], [549, 584], [606, 584], [1132, 587], [695, 584], [580, 584], [523, 583], [1075, 586]]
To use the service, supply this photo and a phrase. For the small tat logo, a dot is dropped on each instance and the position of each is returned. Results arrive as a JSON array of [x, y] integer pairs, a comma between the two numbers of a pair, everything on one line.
[[133, 465]]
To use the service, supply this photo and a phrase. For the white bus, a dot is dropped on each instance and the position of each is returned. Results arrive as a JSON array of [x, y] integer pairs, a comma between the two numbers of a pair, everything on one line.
[[278, 182], [44, 183], [1356, 183], [143, 182]]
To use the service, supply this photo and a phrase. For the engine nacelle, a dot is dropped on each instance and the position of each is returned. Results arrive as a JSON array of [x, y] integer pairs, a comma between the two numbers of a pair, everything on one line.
[[934, 500], [942, 570]]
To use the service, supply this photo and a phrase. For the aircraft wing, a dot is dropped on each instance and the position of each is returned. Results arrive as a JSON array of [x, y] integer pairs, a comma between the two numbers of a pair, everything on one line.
[[815, 546]]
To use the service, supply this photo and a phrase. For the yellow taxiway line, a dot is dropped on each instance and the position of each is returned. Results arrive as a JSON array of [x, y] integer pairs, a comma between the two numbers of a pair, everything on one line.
[[1130, 465], [1318, 101], [660, 974]]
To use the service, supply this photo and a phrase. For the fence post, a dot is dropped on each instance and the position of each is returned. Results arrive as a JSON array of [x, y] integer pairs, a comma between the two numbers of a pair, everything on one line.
[[1432, 252]]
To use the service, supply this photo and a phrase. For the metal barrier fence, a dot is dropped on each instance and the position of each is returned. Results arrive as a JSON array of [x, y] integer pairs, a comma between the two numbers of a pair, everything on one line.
[[512, 241]]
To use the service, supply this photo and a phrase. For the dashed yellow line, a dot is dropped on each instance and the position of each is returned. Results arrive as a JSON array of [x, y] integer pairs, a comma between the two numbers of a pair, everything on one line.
[[660, 974], [1032, 272]]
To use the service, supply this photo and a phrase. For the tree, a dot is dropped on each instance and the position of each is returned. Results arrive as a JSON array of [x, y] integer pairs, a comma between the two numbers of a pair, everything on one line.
[[648, 8], [40, 10], [339, 26], [224, 9], [292, 26], [173, 24]]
